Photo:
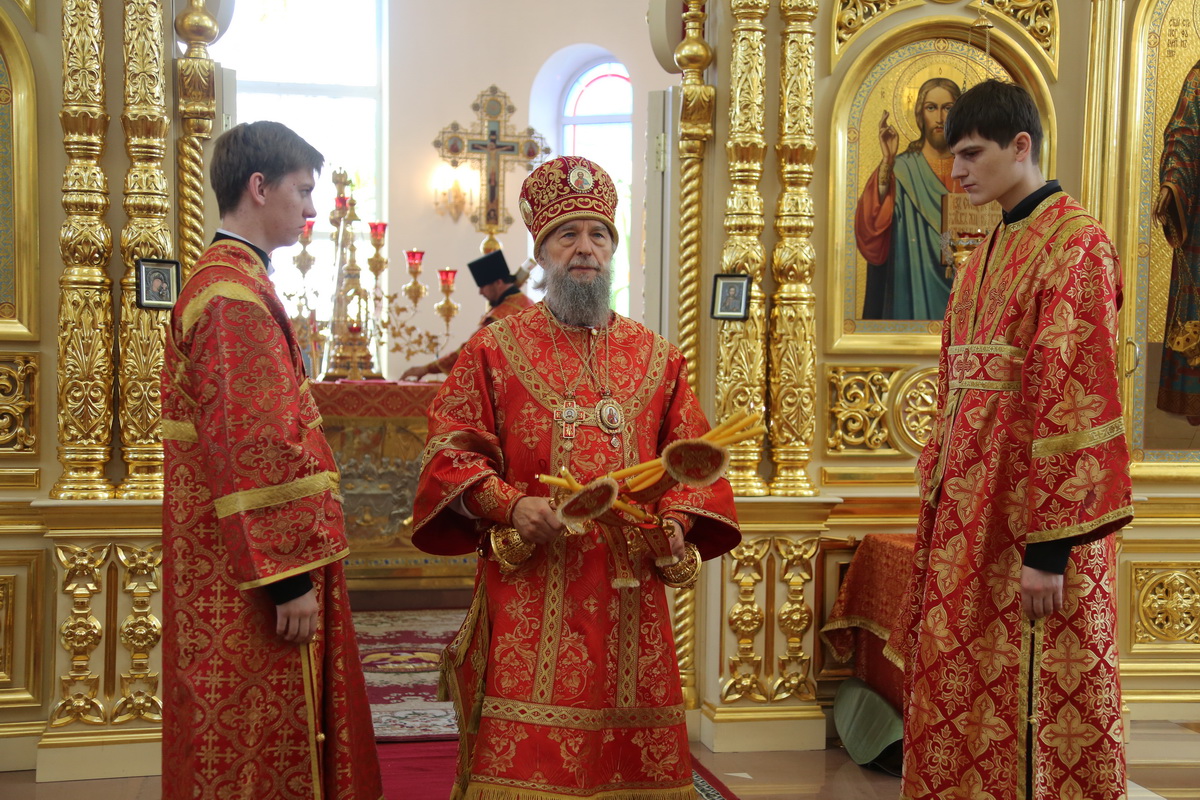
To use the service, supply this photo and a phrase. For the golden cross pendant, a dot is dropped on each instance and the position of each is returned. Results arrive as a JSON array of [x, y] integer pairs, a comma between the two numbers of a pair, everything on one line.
[[569, 416]]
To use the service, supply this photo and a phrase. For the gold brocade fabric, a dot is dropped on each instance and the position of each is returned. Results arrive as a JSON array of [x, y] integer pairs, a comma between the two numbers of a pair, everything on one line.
[[574, 690], [251, 499], [1029, 447]]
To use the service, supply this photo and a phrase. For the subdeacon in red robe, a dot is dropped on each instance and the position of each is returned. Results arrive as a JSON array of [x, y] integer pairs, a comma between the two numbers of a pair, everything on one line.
[[251, 498], [565, 685], [1029, 447]]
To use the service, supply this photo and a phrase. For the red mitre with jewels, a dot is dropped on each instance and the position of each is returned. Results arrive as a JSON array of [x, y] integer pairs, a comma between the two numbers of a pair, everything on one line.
[[567, 188]]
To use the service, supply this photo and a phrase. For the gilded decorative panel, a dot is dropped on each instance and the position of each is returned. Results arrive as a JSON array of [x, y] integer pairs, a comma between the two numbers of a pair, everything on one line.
[[914, 407], [771, 575], [855, 16], [1166, 606], [886, 298], [1037, 21], [21, 624], [18, 187], [18, 404]]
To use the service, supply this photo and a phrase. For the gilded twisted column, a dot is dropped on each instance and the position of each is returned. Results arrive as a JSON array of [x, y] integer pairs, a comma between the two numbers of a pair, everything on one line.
[[741, 346], [145, 235], [693, 56], [85, 320], [793, 387], [195, 75]]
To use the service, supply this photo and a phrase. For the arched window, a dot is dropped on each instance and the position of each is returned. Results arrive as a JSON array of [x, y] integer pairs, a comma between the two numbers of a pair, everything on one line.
[[596, 122], [289, 70]]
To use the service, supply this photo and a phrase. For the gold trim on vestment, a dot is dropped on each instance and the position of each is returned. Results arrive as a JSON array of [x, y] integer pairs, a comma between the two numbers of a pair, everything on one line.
[[230, 290], [265, 496], [583, 719], [987, 349], [1034, 537], [316, 423], [538, 385], [553, 611], [987, 386], [465, 441], [179, 431], [309, 567], [1070, 442], [310, 703]]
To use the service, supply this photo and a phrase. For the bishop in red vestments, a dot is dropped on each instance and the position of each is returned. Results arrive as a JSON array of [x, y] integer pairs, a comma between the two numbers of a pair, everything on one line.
[[564, 674], [264, 688], [1010, 649]]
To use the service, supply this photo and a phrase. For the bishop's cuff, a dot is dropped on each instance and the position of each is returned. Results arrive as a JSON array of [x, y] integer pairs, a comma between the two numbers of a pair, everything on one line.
[[492, 499]]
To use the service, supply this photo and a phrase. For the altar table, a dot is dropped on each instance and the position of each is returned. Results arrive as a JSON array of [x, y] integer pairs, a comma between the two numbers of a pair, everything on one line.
[[377, 431], [867, 610]]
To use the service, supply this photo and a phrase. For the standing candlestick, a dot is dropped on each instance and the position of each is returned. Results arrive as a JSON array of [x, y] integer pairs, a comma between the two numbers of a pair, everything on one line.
[[304, 260], [447, 308], [414, 289]]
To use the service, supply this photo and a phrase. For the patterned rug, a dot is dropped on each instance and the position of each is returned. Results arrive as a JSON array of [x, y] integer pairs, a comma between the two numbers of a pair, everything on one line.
[[400, 651]]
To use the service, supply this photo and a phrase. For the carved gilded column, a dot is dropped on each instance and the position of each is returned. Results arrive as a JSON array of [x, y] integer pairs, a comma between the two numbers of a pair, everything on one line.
[[85, 320], [145, 235], [195, 75], [793, 387], [693, 56], [741, 346]]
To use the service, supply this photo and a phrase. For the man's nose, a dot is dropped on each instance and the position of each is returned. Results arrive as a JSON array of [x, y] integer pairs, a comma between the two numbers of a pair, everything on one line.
[[959, 170]]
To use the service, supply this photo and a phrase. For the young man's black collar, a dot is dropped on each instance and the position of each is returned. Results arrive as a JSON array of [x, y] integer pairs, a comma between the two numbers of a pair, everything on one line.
[[1024, 208], [511, 290], [221, 235]]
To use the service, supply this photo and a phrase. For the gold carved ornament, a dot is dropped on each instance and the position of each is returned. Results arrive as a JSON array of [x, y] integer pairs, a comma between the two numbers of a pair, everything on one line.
[[1168, 604], [195, 87], [140, 632], [145, 235], [742, 345], [793, 350], [85, 318], [80, 633], [693, 56], [18, 404], [1036, 19], [746, 618], [854, 16], [795, 620], [914, 405], [858, 410]]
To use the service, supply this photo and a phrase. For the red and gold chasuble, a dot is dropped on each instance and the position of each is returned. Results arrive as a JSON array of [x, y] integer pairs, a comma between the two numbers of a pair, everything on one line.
[[1029, 447], [251, 498], [566, 687]]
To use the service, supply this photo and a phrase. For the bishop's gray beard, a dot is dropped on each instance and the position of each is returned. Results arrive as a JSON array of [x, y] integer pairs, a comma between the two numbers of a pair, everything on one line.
[[584, 305]]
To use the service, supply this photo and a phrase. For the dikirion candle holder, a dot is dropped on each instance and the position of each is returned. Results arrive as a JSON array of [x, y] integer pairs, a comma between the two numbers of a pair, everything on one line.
[[447, 308]]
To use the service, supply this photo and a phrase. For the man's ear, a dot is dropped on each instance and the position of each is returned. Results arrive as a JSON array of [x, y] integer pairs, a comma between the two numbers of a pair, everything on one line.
[[255, 189], [1023, 146]]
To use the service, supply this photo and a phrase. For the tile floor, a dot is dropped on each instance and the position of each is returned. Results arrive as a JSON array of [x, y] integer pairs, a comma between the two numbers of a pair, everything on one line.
[[1164, 762]]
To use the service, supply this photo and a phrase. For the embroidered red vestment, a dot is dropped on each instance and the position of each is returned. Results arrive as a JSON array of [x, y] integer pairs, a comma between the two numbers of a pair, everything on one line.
[[1029, 446], [565, 685], [251, 498], [510, 304]]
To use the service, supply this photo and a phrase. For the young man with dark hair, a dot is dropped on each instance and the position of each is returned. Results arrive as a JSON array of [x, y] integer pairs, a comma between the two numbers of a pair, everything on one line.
[[264, 688], [1010, 654]]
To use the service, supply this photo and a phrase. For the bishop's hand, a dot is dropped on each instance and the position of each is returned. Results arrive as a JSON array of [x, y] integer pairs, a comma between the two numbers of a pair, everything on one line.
[[535, 520]]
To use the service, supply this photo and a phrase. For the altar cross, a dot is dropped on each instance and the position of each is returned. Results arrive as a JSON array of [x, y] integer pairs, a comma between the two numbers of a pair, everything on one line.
[[494, 147]]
